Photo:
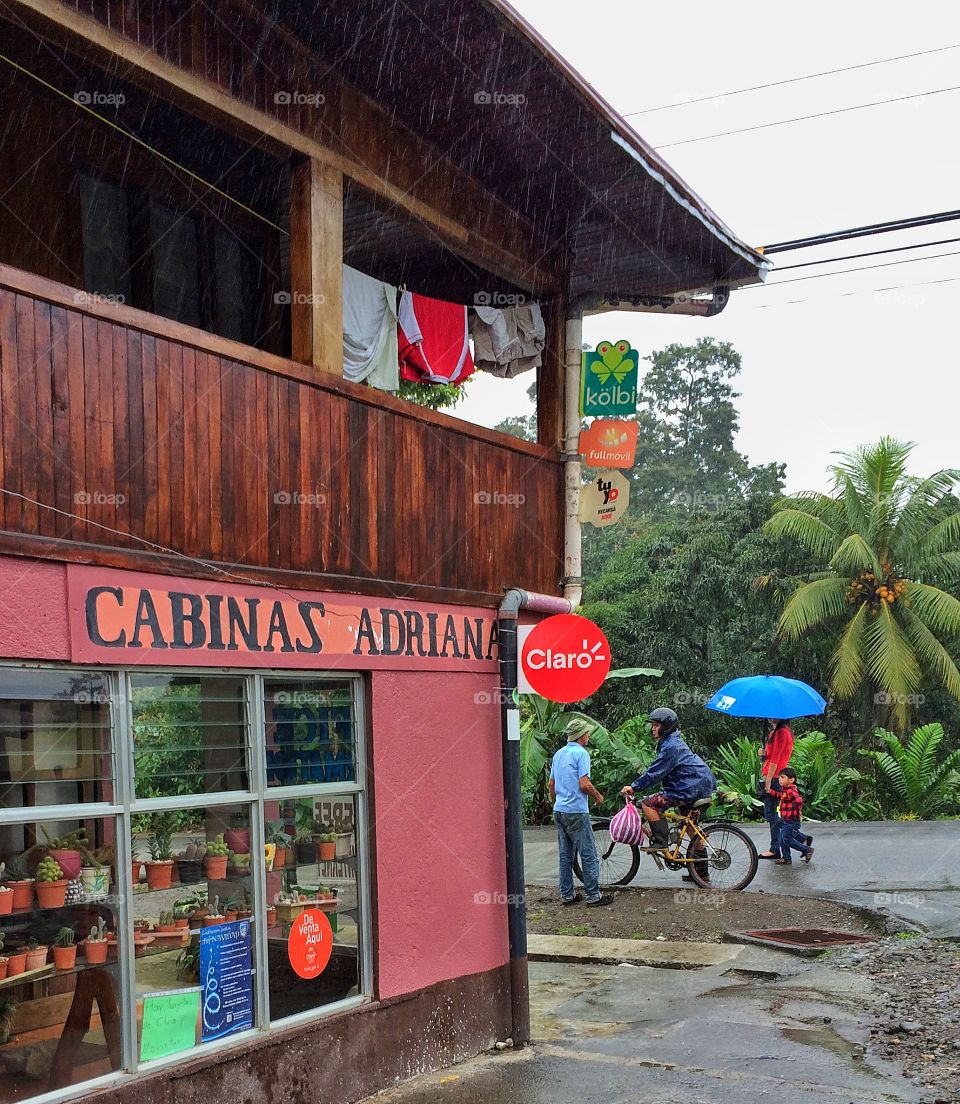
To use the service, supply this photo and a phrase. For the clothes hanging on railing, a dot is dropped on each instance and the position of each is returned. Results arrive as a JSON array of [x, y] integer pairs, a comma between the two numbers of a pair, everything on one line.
[[370, 348], [509, 340], [434, 340]]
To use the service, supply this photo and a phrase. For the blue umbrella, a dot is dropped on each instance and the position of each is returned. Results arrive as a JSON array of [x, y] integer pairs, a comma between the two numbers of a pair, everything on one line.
[[767, 696]]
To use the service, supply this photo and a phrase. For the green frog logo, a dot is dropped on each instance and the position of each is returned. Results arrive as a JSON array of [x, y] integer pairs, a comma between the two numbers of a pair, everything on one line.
[[616, 360]]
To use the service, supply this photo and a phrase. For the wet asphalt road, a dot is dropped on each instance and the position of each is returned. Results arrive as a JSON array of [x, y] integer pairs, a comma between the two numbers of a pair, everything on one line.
[[766, 1028], [911, 869]]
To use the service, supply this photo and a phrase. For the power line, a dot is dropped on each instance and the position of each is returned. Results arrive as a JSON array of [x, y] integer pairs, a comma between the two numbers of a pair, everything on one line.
[[859, 268], [861, 291], [790, 80], [804, 118], [862, 231], [872, 253]]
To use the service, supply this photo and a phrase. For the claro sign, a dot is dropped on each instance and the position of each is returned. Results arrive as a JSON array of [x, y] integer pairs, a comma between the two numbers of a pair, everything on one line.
[[123, 617]]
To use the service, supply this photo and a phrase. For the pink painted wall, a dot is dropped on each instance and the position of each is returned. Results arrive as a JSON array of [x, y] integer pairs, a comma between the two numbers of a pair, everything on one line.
[[441, 878], [33, 609]]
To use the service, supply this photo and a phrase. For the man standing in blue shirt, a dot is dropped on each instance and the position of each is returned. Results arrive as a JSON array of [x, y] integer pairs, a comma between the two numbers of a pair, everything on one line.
[[570, 786]]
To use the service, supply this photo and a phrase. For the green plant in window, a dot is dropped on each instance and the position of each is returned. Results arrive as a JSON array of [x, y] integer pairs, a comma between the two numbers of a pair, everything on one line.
[[98, 933], [32, 944], [8, 1011], [49, 870], [17, 870], [239, 819], [161, 842], [276, 835], [65, 938], [240, 859], [303, 819], [76, 841], [217, 846], [188, 962]]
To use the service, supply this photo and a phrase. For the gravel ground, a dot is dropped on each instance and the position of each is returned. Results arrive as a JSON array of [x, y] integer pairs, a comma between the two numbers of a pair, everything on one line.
[[919, 1025], [688, 913]]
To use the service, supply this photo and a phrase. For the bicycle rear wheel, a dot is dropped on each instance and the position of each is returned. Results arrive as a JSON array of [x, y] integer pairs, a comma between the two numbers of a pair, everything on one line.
[[619, 862], [728, 862]]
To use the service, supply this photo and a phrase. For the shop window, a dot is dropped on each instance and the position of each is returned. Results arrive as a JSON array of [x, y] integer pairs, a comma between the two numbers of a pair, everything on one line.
[[193, 927], [314, 903], [54, 738], [310, 732], [189, 734]]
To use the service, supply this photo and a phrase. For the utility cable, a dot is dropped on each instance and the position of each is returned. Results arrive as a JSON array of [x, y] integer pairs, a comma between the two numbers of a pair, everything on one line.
[[804, 118], [790, 80], [861, 232], [872, 253], [859, 268], [861, 291], [145, 145]]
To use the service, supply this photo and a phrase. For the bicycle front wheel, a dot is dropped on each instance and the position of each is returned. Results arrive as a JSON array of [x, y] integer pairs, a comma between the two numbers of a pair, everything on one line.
[[727, 862], [619, 862]]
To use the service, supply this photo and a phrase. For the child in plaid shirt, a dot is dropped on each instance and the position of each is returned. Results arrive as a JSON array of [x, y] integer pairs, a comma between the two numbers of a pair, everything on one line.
[[791, 809]]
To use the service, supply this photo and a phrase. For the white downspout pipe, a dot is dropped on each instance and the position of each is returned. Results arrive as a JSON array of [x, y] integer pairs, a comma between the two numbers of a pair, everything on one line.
[[572, 540]]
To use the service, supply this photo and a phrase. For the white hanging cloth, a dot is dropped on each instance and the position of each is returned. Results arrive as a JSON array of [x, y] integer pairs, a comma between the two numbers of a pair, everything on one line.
[[370, 348]]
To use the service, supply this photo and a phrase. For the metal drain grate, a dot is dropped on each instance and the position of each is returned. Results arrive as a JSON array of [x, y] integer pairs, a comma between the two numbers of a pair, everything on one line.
[[809, 937]]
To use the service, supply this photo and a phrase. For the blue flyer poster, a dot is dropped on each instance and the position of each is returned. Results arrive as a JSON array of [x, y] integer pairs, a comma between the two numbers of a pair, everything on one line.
[[226, 979]]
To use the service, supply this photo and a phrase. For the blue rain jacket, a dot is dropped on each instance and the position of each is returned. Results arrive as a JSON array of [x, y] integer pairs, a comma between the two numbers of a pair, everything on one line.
[[677, 771]]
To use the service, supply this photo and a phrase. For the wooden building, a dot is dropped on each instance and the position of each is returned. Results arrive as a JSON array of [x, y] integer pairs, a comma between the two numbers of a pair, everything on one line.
[[242, 596]]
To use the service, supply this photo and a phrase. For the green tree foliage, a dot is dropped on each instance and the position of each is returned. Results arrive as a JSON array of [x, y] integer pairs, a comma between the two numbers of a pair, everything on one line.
[[909, 778], [434, 396], [883, 564], [523, 426]]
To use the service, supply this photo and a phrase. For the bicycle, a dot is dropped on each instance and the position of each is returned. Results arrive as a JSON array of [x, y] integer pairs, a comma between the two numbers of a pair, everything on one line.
[[718, 855]]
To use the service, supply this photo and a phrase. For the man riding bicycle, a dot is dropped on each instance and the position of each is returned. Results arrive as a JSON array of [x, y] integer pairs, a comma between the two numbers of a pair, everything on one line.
[[683, 776]]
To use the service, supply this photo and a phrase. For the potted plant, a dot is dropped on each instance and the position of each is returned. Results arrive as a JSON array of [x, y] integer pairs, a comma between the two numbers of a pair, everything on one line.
[[326, 843], [237, 836], [65, 949], [215, 861], [95, 945], [231, 909], [66, 851], [271, 916], [16, 961], [51, 884], [188, 962], [6, 893], [94, 877], [166, 924], [281, 842], [245, 911], [8, 1010], [239, 863], [160, 864], [215, 916], [190, 862], [36, 954], [20, 883], [181, 914]]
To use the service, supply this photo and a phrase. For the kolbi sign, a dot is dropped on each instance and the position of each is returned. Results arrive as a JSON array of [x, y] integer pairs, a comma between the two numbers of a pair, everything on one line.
[[609, 378], [564, 659]]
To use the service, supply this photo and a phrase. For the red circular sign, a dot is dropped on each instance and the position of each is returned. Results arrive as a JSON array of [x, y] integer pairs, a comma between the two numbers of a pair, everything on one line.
[[310, 943], [566, 658]]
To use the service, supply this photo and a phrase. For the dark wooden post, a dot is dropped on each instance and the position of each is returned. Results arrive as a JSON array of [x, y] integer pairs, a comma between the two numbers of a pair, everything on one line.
[[316, 265], [551, 377]]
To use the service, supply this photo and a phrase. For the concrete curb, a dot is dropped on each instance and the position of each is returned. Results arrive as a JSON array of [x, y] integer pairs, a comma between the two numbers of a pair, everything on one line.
[[637, 952]]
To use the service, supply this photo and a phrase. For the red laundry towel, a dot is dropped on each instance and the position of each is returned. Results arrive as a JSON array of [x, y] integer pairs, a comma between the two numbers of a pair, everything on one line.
[[434, 340]]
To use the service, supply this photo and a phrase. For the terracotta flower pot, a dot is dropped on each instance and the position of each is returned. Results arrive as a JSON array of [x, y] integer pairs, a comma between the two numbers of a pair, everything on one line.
[[65, 958], [3, 966], [160, 874], [68, 861], [230, 915], [215, 866], [135, 871], [22, 894], [271, 917], [16, 963], [279, 858], [166, 929], [327, 851], [244, 914], [6, 901], [237, 839], [213, 921], [181, 923], [52, 894], [95, 952], [37, 958]]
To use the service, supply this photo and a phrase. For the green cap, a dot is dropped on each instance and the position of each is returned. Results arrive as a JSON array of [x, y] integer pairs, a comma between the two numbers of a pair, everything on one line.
[[577, 727]]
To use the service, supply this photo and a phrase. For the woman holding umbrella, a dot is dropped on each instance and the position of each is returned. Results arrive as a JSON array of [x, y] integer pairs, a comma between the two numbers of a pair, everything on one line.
[[765, 696], [774, 756]]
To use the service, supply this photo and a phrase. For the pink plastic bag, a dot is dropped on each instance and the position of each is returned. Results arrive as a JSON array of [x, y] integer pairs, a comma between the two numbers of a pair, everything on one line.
[[627, 825]]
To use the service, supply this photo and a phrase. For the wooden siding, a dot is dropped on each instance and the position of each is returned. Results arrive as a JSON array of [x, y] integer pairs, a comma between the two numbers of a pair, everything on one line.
[[151, 438]]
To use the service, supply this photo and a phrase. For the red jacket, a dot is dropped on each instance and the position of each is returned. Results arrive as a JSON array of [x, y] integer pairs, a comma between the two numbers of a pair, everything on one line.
[[778, 749], [791, 803]]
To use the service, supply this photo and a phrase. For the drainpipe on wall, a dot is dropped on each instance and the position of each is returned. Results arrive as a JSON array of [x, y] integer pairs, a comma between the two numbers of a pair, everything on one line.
[[513, 602]]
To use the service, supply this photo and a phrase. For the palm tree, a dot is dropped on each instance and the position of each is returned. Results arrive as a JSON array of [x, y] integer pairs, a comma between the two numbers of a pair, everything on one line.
[[887, 551]]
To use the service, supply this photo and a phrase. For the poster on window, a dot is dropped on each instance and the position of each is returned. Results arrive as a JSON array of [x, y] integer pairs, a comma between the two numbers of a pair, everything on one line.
[[226, 980]]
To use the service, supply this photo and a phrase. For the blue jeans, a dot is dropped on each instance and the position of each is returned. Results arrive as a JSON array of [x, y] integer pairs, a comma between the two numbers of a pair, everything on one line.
[[575, 836], [791, 835], [771, 816]]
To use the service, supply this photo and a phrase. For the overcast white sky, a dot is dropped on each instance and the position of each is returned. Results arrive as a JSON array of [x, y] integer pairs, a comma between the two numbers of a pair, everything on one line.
[[828, 363]]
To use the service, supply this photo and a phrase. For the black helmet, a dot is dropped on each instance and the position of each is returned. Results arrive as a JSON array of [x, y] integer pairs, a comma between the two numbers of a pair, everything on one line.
[[665, 718]]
